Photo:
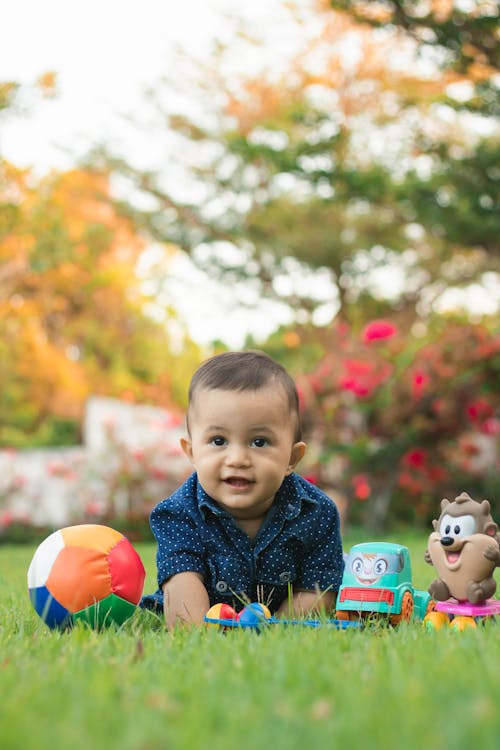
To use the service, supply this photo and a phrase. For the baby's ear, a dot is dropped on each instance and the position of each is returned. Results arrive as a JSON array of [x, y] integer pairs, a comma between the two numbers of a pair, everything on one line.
[[187, 447], [296, 455]]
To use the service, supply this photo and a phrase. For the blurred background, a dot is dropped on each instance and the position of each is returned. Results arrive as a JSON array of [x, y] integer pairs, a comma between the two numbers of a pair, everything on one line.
[[315, 179]]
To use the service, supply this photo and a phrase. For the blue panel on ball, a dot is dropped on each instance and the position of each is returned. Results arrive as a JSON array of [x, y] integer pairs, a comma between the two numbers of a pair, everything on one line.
[[49, 609]]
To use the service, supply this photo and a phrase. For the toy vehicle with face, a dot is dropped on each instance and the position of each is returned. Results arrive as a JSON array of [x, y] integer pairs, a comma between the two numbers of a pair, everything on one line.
[[377, 580]]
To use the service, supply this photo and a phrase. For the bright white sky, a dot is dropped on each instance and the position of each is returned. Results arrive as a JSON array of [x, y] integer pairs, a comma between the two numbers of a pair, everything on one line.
[[104, 53]]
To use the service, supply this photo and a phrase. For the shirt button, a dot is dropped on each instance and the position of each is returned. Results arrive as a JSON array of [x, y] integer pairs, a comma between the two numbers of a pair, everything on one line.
[[221, 587], [285, 576]]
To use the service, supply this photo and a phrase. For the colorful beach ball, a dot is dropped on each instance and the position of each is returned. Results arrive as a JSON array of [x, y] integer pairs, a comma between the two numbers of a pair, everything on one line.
[[87, 572]]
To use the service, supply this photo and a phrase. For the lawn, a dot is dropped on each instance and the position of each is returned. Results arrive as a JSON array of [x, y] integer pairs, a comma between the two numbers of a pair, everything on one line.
[[140, 688]]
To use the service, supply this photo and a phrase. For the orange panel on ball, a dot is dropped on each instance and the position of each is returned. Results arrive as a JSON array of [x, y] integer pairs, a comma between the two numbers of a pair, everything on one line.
[[93, 536], [79, 577]]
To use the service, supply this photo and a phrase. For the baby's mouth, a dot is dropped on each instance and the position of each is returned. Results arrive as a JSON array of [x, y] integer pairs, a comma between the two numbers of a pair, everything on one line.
[[238, 482], [453, 557]]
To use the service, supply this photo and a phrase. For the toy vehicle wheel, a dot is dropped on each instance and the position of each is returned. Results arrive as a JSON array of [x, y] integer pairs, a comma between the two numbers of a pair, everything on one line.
[[431, 607], [406, 609]]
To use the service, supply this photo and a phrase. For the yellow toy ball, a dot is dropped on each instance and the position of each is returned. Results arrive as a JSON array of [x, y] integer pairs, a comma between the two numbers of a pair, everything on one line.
[[461, 623], [435, 620]]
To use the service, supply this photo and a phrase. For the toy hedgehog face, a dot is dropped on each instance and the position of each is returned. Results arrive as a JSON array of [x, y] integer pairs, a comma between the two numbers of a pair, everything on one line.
[[453, 531]]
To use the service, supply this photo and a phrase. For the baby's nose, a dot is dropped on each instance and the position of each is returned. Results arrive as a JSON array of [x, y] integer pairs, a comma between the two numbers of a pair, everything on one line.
[[238, 455]]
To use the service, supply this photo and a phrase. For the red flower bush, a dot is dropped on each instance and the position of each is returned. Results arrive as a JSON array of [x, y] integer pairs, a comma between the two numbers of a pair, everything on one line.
[[363, 377], [394, 422]]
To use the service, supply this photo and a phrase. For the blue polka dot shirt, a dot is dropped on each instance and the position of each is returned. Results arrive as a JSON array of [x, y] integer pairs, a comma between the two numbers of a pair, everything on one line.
[[299, 543]]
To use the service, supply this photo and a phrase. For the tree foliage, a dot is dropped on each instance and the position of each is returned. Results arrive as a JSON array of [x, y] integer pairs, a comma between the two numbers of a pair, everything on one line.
[[364, 153], [72, 313], [464, 35]]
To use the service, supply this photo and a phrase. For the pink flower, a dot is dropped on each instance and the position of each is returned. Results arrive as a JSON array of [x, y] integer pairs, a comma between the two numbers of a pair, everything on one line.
[[315, 383], [491, 426], [174, 450], [419, 383], [93, 508], [313, 478], [479, 409], [416, 458], [55, 468], [410, 484], [173, 420], [363, 377], [362, 489], [379, 330], [302, 400], [437, 474], [6, 518], [19, 481]]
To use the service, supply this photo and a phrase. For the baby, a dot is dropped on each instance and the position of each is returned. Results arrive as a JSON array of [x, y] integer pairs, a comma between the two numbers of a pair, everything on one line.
[[244, 527]]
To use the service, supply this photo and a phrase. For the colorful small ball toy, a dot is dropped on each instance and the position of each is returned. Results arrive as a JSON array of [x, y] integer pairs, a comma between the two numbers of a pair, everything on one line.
[[88, 572], [218, 613], [254, 614]]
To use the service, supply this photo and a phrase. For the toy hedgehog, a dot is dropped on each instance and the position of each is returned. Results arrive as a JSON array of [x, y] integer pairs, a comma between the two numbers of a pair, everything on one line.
[[465, 550]]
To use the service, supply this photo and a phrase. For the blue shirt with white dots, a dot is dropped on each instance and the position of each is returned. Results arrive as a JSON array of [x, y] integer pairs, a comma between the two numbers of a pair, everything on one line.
[[299, 543]]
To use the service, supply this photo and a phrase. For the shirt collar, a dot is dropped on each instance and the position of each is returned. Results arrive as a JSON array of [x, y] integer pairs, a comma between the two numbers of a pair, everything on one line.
[[292, 493], [207, 503], [288, 500]]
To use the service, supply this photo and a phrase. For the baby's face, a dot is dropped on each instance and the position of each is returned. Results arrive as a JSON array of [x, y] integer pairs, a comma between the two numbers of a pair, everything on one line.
[[242, 446]]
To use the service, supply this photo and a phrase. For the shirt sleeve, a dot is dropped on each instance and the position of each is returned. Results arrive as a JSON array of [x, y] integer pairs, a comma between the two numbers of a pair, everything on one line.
[[323, 561], [179, 545]]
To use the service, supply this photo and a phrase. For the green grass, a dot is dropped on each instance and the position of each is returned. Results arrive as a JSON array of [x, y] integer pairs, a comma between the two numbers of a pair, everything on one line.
[[140, 688]]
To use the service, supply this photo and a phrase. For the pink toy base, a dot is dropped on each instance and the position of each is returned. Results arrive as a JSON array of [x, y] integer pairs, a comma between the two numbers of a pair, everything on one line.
[[454, 607]]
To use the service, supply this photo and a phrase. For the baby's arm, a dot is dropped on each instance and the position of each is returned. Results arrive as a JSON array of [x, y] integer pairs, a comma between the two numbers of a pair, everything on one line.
[[304, 601], [185, 599]]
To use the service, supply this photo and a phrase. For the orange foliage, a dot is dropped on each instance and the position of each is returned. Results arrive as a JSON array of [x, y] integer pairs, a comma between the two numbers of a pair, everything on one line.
[[71, 320], [442, 9], [47, 83], [348, 58]]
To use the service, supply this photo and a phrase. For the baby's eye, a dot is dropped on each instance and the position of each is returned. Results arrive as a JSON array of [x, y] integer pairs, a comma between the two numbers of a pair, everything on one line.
[[260, 442], [218, 440]]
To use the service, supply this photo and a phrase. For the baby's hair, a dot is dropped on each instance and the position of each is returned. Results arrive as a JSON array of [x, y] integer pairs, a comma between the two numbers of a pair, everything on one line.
[[245, 371]]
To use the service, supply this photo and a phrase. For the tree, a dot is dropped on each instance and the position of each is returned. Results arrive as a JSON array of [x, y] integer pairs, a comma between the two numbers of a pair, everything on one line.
[[463, 36], [72, 311], [359, 157]]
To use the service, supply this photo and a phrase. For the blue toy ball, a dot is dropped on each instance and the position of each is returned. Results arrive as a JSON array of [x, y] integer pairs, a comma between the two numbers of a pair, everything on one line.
[[254, 614]]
